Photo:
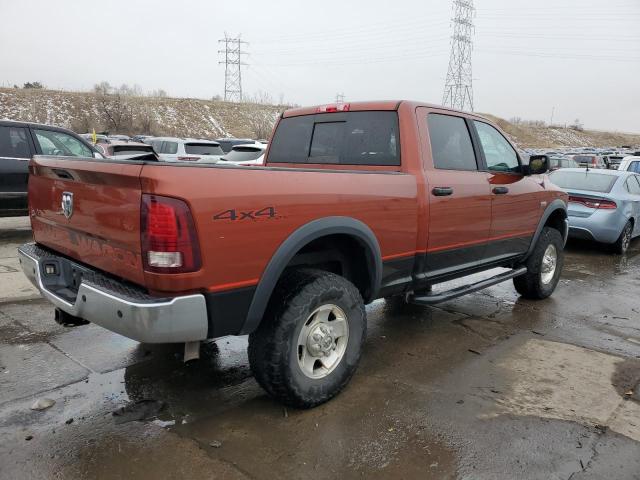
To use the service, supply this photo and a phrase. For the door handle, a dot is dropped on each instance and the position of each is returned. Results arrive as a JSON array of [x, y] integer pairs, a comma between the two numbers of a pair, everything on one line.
[[442, 191], [500, 190]]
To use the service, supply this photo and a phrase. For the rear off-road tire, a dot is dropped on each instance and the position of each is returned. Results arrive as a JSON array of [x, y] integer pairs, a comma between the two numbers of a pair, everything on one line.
[[544, 266], [308, 344]]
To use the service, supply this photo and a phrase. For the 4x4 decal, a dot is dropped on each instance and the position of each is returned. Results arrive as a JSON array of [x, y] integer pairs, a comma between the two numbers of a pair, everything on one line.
[[268, 212]]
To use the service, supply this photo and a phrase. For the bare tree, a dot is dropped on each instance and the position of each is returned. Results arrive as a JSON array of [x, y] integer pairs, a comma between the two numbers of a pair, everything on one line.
[[261, 124]]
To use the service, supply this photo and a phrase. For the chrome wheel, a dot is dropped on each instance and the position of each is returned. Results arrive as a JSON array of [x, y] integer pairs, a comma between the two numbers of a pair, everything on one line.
[[549, 263], [322, 341]]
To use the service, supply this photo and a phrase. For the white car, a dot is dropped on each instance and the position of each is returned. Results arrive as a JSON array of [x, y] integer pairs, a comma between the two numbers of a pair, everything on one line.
[[173, 149], [246, 154], [630, 163]]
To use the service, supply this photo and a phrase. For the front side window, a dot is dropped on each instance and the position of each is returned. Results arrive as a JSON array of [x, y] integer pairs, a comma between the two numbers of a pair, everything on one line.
[[13, 142], [498, 152], [451, 145], [61, 144]]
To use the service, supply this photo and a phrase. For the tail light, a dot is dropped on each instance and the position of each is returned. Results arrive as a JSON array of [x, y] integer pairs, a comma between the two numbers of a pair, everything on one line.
[[338, 107], [189, 159], [594, 202], [169, 239]]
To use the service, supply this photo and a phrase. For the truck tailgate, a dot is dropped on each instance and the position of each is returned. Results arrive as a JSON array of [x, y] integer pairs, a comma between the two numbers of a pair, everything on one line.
[[101, 225]]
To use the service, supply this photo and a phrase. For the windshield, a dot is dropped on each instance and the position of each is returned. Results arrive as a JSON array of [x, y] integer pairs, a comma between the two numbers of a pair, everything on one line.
[[588, 180], [203, 149], [243, 154]]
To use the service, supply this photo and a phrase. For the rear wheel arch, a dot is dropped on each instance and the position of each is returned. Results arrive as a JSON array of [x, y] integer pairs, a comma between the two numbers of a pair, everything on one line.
[[336, 242]]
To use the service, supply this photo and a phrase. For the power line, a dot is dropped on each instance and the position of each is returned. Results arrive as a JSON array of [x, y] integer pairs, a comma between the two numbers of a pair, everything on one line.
[[458, 87], [232, 67]]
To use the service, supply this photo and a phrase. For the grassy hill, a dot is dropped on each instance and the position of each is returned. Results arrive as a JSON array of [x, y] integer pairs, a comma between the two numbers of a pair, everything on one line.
[[83, 111]]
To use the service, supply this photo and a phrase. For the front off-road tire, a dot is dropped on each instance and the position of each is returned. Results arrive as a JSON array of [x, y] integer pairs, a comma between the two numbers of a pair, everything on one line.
[[308, 345], [544, 266]]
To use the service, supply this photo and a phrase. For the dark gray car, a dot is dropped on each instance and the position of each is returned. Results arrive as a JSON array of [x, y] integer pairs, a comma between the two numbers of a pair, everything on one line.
[[19, 141]]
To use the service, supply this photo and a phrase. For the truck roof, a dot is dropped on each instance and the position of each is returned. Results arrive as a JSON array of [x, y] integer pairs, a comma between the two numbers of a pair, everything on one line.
[[368, 105]]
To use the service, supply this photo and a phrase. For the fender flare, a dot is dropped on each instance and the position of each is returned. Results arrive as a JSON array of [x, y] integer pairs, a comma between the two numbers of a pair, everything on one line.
[[557, 204], [298, 239]]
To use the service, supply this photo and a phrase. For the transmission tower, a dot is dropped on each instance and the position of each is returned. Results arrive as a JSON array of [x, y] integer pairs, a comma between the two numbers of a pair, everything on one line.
[[458, 88], [339, 97], [232, 67]]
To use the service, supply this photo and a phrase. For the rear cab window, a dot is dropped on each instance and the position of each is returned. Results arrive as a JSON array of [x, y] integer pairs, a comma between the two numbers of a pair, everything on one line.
[[243, 154], [203, 149], [347, 138]]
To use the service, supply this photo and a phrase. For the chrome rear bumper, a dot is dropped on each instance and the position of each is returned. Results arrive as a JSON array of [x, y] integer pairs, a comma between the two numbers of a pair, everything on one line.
[[114, 305]]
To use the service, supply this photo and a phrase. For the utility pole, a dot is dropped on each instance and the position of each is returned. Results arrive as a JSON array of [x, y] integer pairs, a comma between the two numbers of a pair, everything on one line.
[[458, 87], [553, 110], [232, 67], [339, 97]]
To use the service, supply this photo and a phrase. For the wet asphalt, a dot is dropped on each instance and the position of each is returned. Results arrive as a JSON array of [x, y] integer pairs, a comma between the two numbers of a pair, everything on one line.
[[485, 386]]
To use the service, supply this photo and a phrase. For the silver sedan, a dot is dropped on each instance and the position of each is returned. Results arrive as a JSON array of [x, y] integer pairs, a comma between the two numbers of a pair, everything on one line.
[[604, 205]]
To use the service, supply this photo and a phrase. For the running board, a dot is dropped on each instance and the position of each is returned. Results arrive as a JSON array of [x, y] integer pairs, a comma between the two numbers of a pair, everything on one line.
[[438, 297]]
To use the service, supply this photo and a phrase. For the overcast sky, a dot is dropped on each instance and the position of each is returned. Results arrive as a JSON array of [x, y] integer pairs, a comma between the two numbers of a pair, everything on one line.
[[580, 58]]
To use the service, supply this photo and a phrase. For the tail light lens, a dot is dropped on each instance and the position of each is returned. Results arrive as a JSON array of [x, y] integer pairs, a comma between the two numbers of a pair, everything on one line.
[[169, 239], [594, 202]]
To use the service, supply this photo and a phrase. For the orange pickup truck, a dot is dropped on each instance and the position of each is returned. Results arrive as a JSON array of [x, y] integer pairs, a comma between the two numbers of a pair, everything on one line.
[[355, 202]]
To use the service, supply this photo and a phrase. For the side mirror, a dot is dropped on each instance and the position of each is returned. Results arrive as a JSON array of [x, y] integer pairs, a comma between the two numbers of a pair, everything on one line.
[[98, 155], [538, 164]]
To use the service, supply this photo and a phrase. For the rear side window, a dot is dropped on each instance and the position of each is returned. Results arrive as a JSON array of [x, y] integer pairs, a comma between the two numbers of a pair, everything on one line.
[[634, 167], [169, 148], [202, 149], [588, 180], [13, 142], [351, 138], [451, 146]]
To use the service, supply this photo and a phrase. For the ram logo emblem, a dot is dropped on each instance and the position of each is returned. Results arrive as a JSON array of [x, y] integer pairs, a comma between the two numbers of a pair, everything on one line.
[[67, 204]]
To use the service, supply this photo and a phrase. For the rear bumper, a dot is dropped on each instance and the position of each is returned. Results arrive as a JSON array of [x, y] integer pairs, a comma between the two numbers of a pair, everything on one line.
[[114, 305], [602, 226]]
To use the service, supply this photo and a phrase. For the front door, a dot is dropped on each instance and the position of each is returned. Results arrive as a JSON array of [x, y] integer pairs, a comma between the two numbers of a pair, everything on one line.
[[458, 194], [517, 201]]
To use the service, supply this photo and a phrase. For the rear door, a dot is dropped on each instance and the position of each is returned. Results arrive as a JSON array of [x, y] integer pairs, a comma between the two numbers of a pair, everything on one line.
[[458, 194], [15, 152], [516, 199]]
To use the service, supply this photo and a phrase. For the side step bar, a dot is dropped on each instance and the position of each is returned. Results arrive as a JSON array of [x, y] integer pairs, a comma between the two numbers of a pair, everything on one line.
[[438, 297]]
